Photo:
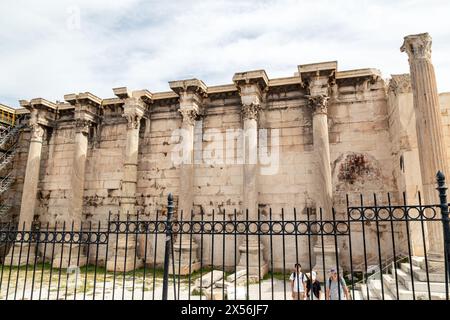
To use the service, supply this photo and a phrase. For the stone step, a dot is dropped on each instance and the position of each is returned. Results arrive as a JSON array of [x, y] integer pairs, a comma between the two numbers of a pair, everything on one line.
[[405, 279], [418, 262], [379, 292], [357, 295], [421, 275], [368, 296], [406, 294]]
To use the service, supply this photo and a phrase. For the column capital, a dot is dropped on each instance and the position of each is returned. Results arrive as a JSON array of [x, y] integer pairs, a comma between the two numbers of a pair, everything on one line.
[[318, 104], [191, 93], [133, 111], [417, 46], [37, 131], [82, 126], [250, 111], [400, 83], [189, 115]]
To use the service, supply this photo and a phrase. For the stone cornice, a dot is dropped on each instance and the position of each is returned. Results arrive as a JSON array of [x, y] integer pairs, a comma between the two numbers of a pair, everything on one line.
[[84, 98], [41, 103], [87, 108], [193, 86], [258, 77], [43, 111], [321, 69], [358, 73]]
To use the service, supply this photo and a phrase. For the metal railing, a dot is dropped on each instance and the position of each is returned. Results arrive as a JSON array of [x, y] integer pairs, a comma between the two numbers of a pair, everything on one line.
[[232, 255]]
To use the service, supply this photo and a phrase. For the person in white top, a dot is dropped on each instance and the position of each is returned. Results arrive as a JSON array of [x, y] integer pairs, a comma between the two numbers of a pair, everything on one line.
[[298, 283]]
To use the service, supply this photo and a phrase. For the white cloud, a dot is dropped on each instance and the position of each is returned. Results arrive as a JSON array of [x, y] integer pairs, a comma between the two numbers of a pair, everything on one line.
[[144, 44]]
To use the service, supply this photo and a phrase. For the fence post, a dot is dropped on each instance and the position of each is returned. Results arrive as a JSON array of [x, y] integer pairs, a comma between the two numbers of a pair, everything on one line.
[[168, 245], [442, 188]]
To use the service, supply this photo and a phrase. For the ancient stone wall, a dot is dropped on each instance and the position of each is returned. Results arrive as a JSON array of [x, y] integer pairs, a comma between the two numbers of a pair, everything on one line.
[[371, 130]]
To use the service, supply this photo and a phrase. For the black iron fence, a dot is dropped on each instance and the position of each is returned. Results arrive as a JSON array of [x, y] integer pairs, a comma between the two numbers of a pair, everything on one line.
[[371, 251]]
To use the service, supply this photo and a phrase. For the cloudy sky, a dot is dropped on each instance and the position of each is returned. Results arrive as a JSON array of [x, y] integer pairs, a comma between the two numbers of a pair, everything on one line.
[[51, 48]]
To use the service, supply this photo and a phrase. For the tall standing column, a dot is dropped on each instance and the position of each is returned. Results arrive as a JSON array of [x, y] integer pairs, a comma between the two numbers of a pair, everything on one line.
[[317, 79], [29, 192], [191, 94], [85, 114], [133, 111], [430, 136], [324, 199], [325, 256], [250, 152], [251, 86], [70, 255]]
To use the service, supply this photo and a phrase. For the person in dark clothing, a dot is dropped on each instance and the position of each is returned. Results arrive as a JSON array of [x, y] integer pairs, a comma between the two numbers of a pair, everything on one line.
[[312, 284]]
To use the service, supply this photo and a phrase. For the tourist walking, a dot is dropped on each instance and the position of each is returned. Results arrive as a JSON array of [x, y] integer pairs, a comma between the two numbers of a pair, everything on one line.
[[298, 283], [313, 287], [336, 287]]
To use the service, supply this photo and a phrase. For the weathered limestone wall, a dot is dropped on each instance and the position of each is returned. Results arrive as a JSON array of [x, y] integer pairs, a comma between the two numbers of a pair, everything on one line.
[[373, 149], [54, 190], [104, 171]]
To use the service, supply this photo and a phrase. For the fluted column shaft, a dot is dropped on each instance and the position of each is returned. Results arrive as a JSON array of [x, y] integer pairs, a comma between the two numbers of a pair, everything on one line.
[[78, 171], [125, 251], [129, 180], [31, 181], [430, 136], [250, 191], [187, 166], [322, 154]]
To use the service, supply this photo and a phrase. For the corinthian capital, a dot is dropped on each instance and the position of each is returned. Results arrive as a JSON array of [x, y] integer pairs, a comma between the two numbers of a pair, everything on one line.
[[318, 104], [417, 46], [82, 126], [400, 83], [250, 111], [37, 132], [133, 111], [189, 115]]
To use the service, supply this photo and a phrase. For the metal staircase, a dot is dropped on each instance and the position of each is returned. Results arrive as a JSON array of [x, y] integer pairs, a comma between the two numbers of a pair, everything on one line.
[[8, 150], [10, 136]]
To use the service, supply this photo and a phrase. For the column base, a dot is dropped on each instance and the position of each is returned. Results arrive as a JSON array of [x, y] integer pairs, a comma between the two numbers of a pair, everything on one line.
[[126, 248], [62, 261], [436, 262], [189, 261], [325, 257], [122, 265], [257, 267], [18, 259]]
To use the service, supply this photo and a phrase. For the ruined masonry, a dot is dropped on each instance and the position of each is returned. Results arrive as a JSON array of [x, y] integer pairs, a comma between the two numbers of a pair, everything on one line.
[[340, 132]]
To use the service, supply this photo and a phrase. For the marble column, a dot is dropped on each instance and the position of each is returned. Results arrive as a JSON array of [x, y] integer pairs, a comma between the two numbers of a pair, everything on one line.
[[126, 247], [250, 152], [254, 249], [324, 189], [71, 255], [29, 193], [430, 136], [184, 250]]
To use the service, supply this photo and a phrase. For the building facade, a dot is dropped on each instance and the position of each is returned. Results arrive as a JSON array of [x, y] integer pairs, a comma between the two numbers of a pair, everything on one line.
[[316, 137]]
